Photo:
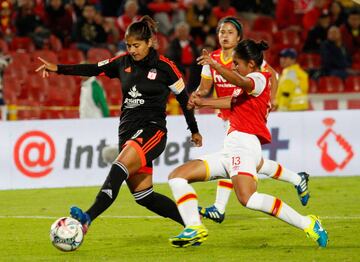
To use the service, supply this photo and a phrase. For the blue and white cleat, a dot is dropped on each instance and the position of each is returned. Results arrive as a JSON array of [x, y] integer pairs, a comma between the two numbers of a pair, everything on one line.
[[303, 188], [81, 216], [212, 213], [190, 236], [317, 232]]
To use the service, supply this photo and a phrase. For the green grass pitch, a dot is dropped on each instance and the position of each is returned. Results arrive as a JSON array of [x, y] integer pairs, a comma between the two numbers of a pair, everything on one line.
[[128, 232]]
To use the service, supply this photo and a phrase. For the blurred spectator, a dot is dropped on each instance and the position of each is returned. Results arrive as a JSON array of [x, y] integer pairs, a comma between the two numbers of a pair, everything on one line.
[[110, 8], [293, 85], [337, 13], [348, 4], [59, 20], [335, 59], [29, 24], [201, 19], [89, 33], [92, 99], [246, 6], [7, 29], [350, 32], [289, 13], [312, 16], [78, 8], [318, 34], [210, 43], [4, 62], [130, 15], [224, 9], [167, 13], [183, 52]]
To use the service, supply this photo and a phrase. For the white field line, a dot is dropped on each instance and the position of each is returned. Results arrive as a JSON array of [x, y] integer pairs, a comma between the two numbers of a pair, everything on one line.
[[158, 217]]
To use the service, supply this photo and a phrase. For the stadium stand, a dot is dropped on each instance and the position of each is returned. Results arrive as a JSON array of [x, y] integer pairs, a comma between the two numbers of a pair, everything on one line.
[[24, 88]]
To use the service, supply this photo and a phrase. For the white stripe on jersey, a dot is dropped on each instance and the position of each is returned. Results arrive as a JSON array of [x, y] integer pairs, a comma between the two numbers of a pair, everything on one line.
[[259, 81]]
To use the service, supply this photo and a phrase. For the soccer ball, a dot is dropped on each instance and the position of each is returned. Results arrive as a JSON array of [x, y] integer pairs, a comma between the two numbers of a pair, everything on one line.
[[66, 234]]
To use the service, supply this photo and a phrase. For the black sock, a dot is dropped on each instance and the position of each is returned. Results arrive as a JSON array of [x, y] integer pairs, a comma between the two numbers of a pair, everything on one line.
[[159, 204], [109, 191]]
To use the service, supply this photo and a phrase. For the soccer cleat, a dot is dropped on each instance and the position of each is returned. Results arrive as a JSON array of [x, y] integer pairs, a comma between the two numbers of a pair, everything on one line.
[[82, 217], [212, 213], [302, 188], [190, 236], [317, 232]]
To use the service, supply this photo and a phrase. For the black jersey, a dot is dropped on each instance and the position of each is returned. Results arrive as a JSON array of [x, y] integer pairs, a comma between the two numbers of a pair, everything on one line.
[[145, 84]]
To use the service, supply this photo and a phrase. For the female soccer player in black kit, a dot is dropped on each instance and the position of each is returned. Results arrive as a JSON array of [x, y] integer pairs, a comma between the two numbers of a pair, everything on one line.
[[147, 79]]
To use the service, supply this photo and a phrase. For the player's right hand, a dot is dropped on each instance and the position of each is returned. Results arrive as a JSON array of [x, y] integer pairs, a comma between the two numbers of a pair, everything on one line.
[[46, 67], [193, 96]]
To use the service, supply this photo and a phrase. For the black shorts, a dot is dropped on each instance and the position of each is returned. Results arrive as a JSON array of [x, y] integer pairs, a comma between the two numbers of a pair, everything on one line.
[[149, 142]]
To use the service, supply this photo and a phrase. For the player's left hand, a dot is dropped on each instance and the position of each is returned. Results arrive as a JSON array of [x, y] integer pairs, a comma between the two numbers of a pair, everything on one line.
[[196, 138], [205, 59]]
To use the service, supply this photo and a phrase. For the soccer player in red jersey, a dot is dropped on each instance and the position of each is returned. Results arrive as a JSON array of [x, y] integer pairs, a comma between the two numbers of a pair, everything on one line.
[[229, 34], [240, 157]]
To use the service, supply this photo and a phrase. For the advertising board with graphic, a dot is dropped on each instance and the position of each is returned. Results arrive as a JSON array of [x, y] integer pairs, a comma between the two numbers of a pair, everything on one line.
[[62, 153]]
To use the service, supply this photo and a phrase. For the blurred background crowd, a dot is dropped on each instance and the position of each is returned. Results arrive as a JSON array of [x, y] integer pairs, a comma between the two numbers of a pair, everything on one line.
[[314, 46]]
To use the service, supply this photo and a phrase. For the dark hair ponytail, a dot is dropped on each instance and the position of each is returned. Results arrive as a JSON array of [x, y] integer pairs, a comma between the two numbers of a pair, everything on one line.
[[144, 29], [250, 50]]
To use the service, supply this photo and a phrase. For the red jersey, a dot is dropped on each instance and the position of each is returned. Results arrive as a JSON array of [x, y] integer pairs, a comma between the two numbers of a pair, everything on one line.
[[249, 111], [222, 86]]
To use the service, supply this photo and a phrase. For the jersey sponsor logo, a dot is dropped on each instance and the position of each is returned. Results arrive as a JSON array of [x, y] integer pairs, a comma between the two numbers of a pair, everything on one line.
[[152, 74], [134, 101], [237, 92], [104, 62]]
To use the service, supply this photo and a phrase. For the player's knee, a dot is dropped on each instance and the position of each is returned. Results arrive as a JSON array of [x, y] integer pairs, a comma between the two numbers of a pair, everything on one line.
[[243, 197], [175, 173], [144, 197]]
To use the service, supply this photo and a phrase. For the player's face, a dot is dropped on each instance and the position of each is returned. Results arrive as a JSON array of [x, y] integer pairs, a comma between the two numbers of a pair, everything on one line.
[[243, 67], [228, 36], [138, 49]]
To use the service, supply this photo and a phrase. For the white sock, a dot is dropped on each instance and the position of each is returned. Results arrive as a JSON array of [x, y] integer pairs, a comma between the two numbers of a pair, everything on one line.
[[276, 171], [186, 201], [223, 191], [275, 207]]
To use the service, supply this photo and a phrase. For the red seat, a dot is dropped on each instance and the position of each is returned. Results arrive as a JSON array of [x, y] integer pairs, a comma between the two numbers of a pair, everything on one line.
[[20, 57], [35, 87], [332, 104], [28, 114], [354, 104], [113, 92], [352, 84], [260, 35], [55, 43], [11, 89], [330, 84], [95, 55], [310, 61], [288, 37], [313, 86], [63, 82], [265, 24], [52, 114], [71, 56], [22, 43], [71, 114], [4, 48], [17, 71], [59, 98]]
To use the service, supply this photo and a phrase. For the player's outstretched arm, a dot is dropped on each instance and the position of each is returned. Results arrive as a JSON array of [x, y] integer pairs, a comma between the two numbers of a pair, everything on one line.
[[216, 103], [231, 76]]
